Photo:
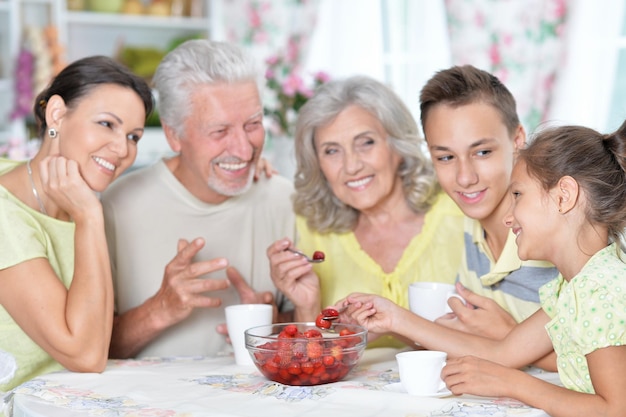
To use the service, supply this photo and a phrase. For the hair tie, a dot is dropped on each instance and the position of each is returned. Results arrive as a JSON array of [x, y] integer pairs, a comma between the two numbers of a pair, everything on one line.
[[42, 103]]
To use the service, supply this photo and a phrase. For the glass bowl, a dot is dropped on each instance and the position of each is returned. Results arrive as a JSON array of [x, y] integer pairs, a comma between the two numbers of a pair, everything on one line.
[[303, 354]]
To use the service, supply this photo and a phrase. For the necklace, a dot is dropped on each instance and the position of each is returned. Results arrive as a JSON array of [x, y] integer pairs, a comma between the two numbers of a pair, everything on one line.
[[42, 208]]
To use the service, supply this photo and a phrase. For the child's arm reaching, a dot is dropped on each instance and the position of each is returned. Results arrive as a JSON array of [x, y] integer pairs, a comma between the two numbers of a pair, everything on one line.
[[526, 343], [607, 368], [482, 316]]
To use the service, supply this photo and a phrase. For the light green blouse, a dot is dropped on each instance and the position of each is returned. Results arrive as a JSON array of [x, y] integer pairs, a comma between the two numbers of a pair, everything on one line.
[[432, 255], [588, 313], [27, 234]]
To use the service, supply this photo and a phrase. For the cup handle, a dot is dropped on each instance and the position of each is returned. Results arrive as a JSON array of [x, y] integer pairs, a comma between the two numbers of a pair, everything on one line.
[[442, 384], [451, 295]]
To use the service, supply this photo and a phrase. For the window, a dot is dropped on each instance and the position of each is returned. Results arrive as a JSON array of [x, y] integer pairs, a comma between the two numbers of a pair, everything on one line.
[[617, 109], [399, 42], [415, 46]]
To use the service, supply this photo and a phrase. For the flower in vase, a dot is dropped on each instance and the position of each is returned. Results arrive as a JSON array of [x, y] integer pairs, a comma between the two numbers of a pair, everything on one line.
[[289, 93]]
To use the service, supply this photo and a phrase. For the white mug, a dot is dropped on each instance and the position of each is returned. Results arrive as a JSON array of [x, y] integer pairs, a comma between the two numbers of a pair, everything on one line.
[[430, 299], [240, 318], [420, 371]]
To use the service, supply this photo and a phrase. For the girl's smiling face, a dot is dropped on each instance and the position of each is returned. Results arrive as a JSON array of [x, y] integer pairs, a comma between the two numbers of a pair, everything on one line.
[[531, 216], [357, 161]]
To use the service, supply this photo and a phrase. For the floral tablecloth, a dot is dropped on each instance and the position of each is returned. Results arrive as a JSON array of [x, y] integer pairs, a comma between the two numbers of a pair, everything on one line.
[[186, 387]]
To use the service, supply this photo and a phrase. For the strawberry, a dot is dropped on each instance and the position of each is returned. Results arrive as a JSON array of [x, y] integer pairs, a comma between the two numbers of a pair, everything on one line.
[[307, 367], [312, 334], [294, 368], [328, 360], [318, 255], [337, 352], [321, 322], [290, 330], [314, 350]]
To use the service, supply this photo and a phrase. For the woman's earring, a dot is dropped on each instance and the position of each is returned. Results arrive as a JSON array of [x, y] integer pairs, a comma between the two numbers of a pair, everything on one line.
[[52, 132]]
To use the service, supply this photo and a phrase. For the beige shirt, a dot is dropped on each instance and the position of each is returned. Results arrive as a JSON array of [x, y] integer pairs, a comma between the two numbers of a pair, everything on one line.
[[148, 210]]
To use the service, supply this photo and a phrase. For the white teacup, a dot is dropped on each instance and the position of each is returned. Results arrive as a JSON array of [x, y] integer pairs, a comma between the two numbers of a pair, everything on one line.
[[420, 371], [240, 318], [430, 299]]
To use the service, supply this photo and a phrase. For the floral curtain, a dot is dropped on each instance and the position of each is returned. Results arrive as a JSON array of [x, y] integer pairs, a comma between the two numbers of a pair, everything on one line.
[[278, 34], [519, 41]]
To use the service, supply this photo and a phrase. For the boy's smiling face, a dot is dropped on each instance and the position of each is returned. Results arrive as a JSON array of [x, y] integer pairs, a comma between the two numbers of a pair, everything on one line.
[[473, 153]]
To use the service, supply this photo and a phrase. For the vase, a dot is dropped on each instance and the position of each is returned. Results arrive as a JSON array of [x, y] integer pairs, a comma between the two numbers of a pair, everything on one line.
[[280, 153]]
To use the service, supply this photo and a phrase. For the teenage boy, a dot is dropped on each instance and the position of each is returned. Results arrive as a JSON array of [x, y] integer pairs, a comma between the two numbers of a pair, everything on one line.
[[472, 130]]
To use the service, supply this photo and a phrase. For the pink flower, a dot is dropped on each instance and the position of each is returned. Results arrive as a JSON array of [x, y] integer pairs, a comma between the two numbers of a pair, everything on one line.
[[254, 17], [494, 55], [305, 91], [293, 50], [260, 37], [292, 85], [272, 60], [479, 19], [290, 90], [548, 82], [321, 77], [265, 6], [560, 9]]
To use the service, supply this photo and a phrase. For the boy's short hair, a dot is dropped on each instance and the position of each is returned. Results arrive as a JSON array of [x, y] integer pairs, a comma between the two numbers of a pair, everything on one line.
[[462, 85]]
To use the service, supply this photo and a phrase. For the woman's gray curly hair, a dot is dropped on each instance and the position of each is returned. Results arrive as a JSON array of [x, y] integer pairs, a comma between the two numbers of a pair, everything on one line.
[[314, 198]]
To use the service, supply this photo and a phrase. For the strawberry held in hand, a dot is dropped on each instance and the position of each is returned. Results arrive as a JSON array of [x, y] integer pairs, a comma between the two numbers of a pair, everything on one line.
[[318, 255], [325, 318]]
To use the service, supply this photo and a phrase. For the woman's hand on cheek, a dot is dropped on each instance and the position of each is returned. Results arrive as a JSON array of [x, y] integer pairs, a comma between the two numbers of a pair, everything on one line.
[[63, 183]]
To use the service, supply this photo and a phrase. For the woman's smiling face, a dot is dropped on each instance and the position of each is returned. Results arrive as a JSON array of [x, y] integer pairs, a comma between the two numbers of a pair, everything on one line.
[[357, 161], [101, 133]]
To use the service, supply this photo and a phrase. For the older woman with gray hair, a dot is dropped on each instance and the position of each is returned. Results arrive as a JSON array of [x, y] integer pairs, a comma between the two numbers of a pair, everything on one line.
[[366, 196]]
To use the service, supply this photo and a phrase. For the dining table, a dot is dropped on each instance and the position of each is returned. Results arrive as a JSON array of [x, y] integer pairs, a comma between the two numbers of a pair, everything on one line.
[[216, 386]]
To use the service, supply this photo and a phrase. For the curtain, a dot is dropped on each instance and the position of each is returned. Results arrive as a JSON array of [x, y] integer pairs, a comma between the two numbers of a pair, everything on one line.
[[277, 33], [589, 78], [415, 46], [522, 42], [267, 27]]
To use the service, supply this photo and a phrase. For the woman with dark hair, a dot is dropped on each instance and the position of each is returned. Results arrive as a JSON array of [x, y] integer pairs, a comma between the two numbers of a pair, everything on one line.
[[56, 303], [367, 196]]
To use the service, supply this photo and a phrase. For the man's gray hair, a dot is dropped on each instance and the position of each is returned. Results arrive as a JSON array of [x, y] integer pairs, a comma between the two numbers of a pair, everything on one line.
[[194, 63]]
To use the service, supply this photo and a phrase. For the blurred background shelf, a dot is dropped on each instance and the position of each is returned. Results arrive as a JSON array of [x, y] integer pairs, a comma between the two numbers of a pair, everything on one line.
[[139, 21], [85, 32]]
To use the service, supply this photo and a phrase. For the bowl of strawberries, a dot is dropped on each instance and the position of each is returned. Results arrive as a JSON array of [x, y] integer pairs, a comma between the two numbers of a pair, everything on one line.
[[305, 354]]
